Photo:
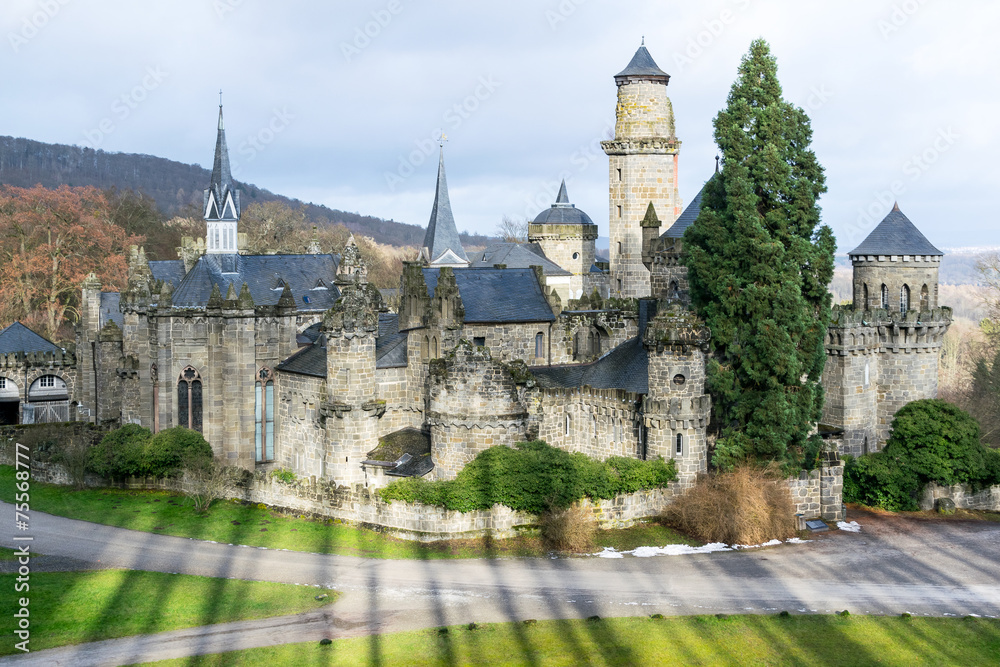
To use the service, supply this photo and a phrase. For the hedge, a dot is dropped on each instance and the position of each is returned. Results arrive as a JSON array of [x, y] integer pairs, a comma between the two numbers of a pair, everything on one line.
[[533, 477], [133, 451]]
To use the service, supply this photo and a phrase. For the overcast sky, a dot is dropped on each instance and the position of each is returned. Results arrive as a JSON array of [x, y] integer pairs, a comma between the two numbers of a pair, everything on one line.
[[340, 103]]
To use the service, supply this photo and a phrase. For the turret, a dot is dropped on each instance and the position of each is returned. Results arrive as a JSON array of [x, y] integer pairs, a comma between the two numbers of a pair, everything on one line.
[[222, 201], [643, 169], [567, 236]]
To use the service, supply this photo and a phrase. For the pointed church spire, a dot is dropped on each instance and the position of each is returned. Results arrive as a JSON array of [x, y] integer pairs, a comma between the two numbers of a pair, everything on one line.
[[222, 199], [441, 240], [562, 197]]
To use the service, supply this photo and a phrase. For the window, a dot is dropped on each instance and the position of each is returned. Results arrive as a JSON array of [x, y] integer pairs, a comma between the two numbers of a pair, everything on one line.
[[47, 381], [619, 211], [568, 424], [679, 379], [680, 445], [434, 347], [904, 299], [479, 341], [864, 296], [154, 376], [264, 415], [619, 284], [539, 345], [576, 255], [425, 348], [925, 299], [885, 297], [674, 292], [619, 175], [189, 391], [619, 247], [3, 383], [867, 374]]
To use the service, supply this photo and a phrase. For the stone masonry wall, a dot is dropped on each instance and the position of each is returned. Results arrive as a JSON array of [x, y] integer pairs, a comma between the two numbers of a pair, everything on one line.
[[601, 422], [984, 499]]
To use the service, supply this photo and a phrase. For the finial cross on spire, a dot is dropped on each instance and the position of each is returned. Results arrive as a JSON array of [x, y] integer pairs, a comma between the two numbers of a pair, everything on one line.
[[443, 138], [220, 97], [643, 41]]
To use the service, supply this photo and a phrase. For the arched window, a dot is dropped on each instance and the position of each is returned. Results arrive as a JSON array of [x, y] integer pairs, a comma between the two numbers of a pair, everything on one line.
[[539, 345], [425, 348], [904, 299], [679, 450], [674, 292], [189, 392], [568, 424], [619, 243], [434, 347], [885, 297], [264, 415], [925, 299], [154, 377], [864, 297]]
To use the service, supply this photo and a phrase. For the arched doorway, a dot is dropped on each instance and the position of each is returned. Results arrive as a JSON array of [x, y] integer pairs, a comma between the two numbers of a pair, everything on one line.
[[48, 401], [10, 402]]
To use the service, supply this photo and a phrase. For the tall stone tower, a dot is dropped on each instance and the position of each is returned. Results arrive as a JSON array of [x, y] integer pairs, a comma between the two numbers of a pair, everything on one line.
[[567, 236], [642, 169], [222, 201]]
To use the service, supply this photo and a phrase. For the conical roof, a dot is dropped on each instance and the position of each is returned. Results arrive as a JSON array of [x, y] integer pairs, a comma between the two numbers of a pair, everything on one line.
[[896, 235], [222, 182], [562, 212], [442, 234], [642, 65]]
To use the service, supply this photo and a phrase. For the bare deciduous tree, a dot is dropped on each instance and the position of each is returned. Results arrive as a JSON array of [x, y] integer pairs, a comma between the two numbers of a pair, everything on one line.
[[513, 230]]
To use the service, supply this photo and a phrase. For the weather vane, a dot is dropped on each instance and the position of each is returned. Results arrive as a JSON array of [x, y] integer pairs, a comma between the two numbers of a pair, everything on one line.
[[444, 138]]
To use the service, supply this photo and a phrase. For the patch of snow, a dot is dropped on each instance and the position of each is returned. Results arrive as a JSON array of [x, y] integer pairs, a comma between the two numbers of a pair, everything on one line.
[[609, 552], [685, 550], [796, 540], [849, 526]]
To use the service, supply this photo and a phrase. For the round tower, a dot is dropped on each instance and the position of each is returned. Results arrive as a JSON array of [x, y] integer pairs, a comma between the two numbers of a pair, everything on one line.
[[642, 169], [567, 236]]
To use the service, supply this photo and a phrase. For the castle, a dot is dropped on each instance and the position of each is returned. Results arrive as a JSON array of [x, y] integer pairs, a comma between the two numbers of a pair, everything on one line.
[[294, 361]]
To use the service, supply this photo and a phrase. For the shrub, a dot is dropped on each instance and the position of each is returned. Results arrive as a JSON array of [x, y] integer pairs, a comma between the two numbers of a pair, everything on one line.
[[747, 505], [283, 475], [939, 442], [120, 453], [570, 529], [879, 480], [175, 448], [534, 477]]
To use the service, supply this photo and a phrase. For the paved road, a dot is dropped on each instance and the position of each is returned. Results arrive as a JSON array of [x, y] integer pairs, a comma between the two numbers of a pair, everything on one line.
[[922, 568]]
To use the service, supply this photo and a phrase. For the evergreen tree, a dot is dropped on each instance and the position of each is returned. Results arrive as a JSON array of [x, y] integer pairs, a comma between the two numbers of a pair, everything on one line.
[[759, 262]]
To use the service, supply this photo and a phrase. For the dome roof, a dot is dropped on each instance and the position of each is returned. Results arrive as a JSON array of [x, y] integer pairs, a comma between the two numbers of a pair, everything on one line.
[[562, 212]]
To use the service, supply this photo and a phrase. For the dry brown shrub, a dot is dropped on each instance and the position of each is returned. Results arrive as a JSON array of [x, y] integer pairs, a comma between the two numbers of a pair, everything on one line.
[[746, 506], [571, 529]]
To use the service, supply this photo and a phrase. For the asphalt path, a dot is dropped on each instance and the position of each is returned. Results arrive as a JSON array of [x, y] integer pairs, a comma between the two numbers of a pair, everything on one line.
[[923, 568]]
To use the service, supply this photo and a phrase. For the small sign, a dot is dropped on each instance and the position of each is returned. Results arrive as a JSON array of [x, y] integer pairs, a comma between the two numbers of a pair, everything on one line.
[[816, 526]]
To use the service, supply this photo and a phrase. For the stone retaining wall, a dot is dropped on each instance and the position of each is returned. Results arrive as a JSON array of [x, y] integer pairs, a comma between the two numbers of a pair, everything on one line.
[[963, 496]]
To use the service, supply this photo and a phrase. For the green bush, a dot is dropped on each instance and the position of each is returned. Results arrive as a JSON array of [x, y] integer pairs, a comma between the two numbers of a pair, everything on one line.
[[175, 448], [133, 451], [930, 441], [533, 477]]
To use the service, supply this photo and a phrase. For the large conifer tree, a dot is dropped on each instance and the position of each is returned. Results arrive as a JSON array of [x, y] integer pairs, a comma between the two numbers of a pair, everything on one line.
[[759, 262]]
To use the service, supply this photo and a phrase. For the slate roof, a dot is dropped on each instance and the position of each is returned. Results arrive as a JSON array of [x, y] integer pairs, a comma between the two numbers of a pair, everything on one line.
[[687, 218], [403, 453], [265, 275], [168, 270], [517, 256], [625, 367], [390, 349], [562, 212], [110, 310], [896, 235], [497, 295], [19, 338], [442, 235], [222, 180], [642, 64]]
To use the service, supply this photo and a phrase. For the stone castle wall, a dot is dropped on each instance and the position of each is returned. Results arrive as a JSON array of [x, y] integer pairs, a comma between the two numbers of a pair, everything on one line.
[[894, 271], [601, 422]]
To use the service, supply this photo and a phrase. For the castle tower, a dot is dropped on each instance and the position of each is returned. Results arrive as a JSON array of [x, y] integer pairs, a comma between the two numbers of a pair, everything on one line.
[[567, 236], [642, 169], [442, 247], [351, 411], [222, 201]]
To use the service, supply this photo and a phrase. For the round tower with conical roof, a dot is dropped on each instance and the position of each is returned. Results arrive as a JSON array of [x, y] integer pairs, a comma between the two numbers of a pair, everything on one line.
[[643, 169], [568, 236]]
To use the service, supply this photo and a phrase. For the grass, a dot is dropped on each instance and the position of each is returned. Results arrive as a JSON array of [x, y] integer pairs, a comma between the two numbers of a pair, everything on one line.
[[75, 607], [6, 553], [228, 522], [691, 640]]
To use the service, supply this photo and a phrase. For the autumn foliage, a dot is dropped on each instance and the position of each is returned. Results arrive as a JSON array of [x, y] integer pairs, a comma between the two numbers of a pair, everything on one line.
[[50, 240]]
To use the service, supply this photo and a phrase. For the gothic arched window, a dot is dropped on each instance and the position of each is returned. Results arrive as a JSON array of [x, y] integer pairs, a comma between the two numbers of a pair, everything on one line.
[[189, 390], [539, 345], [680, 445], [264, 415], [925, 299], [904, 299], [885, 297], [864, 297], [674, 291], [154, 378]]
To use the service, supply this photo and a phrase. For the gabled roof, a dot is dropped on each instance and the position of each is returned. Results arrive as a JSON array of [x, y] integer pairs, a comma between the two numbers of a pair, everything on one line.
[[625, 367], [517, 256], [221, 187], [19, 338], [642, 65], [168, 270], [562, 212], [265, 276], [687, 218], [390, 349], [896, 235], [442, 235], [497, 295]]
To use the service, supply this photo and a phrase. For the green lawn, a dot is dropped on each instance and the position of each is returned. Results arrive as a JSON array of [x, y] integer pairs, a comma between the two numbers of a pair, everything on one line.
[[257, 525], [75, 607], [825, 641], [6, 553]]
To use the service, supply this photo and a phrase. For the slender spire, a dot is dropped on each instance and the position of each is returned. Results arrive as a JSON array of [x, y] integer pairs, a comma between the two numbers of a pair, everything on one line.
[[222, 200], [562, 197], [442, 234]]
